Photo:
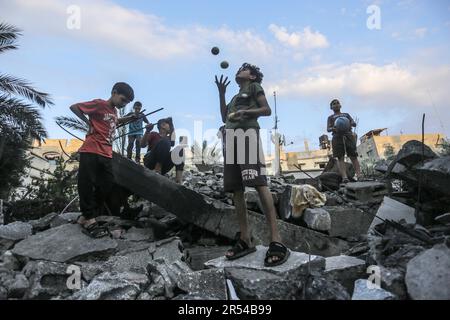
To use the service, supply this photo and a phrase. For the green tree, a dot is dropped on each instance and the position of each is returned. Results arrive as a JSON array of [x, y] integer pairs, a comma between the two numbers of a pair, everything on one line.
[[445, 148], [389, 152], [20, 119]]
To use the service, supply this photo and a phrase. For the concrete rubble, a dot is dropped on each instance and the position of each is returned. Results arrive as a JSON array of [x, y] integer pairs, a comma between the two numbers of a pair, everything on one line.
[[368, 240]]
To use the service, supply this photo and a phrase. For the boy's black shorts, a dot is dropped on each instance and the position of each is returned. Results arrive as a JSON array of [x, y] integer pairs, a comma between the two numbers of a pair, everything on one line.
[[344, 144], [244, 164]]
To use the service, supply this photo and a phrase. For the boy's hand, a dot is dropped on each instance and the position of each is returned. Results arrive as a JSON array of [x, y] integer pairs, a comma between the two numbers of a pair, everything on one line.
[[238, 115], [149, 127], [222, 84]]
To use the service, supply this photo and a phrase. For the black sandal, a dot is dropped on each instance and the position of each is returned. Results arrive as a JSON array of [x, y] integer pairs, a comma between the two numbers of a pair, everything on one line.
[[240, 250], [279, 250], [95, 230]]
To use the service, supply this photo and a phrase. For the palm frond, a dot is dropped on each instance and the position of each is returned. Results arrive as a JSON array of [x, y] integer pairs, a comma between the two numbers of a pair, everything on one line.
[[11, 85], [9, 32], [8, 37], [72, 123], [6, 47], [19, 118]]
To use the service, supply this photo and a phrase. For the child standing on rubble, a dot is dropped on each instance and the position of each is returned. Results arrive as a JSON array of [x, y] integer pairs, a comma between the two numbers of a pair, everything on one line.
[[95, 177], [135, 132], [343, 142], [244, 159], [159, 157]]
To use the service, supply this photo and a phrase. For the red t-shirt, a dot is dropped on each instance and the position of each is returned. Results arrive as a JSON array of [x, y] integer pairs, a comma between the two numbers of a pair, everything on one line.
[[153, 139], [103, 119]]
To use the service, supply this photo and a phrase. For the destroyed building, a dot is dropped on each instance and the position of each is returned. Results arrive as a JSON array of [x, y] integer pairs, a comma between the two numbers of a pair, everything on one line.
[[381, 239]]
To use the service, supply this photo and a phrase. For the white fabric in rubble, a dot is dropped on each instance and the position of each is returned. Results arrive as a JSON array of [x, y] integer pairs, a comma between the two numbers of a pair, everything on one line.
[[305, 196]]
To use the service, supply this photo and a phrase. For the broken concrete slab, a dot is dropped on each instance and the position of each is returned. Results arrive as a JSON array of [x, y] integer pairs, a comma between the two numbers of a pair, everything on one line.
[[254, 202], [134, 261], [298, 263], [393, 280], [345, 270], [210, 284], [9, 262], [199, 255], [67, 217], [435, 175], [323, 288], [16, 231], [214, 215], [444, 218], [365, 290], [138, 234], [330, 180], [43, 223], [63, 244], [12, 233], [347, 222], [262, 285], [17, 287], [428, 274], [169, 250], [401, 257], [165, 277], [411, 153], [317, 219], [113, 286], [366, 191], [47, 279], [393, 210]]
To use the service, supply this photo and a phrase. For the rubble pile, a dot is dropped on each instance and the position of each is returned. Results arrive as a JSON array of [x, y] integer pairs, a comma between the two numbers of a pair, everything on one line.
[[365, 241]]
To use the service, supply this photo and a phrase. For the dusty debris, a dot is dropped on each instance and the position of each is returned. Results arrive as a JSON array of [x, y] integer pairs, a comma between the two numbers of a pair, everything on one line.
[[175, 249], [394, 211], [345, 270], [365, 290], [428, 274], [62, 244], [317, 219], [252, 280]]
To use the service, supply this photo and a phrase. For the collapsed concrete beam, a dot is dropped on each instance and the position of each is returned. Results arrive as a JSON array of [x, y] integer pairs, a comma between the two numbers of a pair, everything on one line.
[[214, 215], [366, 191], [436, 175]]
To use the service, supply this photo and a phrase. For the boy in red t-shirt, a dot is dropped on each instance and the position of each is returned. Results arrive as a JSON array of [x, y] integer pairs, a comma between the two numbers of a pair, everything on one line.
[[95, 177]]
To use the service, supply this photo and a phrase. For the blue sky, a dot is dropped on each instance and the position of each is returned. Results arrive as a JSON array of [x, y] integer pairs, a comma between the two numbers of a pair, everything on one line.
[[309, 51]]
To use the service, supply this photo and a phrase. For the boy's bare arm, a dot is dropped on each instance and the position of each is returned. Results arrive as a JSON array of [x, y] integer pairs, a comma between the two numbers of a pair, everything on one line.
[[263, 111], [352, 122], [126, 119], [330, 125], [222, 85], [144, 140], [75, 108]]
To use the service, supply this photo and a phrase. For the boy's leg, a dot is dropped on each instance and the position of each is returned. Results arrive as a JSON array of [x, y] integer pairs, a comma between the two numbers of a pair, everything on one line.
[[105, 181], [161, 154], [233, 183], [86, 185], [254, 175], [356, 165], [138, 149], [241, 212], [352, 152], [339, 152], [130, 146], [270, 211], [342, 168]]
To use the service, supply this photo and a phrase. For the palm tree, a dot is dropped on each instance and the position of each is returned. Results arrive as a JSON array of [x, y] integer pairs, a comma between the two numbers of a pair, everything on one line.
[[20, 119]]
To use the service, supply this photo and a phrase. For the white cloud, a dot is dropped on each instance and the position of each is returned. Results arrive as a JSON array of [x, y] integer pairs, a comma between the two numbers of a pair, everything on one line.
[[420, 32], [110, 25], [387, 85], [305, 39]]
